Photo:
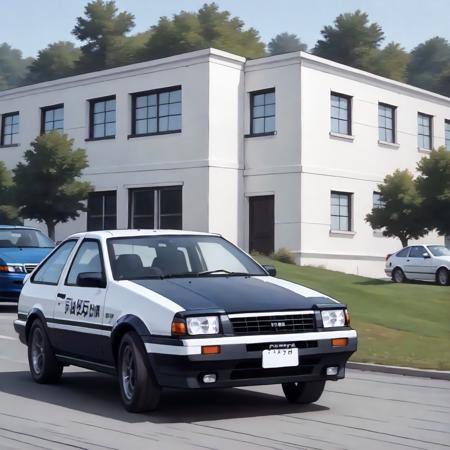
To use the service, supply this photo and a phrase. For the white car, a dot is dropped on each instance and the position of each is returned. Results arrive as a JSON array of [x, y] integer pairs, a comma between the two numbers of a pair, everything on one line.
[[420, 262], [162, 308]]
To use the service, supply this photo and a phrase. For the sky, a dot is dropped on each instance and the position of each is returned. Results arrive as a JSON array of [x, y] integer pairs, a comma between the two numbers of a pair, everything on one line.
[[31, 25]]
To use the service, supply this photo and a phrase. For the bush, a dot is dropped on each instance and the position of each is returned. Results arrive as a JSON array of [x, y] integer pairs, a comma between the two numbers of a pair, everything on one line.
[[283, 255]]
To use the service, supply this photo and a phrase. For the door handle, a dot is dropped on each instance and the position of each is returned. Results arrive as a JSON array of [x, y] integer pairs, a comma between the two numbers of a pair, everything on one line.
[[407, 260], [61, 295]]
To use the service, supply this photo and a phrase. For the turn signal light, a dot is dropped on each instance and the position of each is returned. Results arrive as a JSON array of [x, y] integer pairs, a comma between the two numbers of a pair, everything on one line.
[[179, 328], [4, 269], [210, 349], [339, 342]]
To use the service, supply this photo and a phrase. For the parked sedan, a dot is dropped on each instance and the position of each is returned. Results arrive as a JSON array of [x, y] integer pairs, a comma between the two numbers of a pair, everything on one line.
[[420, 262]]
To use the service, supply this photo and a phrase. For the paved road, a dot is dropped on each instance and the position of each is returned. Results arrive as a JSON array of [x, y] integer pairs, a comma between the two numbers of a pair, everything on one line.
[[365, 411]]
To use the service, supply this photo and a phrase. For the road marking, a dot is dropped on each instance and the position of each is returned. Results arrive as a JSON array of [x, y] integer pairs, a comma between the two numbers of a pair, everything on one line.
[[8, 338]]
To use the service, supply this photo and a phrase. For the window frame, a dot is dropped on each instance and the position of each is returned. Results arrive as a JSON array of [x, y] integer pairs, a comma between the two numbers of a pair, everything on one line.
[[349, 99], [92, 103], [393, 122], [430, 118], [102, 263], [253, 94], [349, 196], [134, 97], [33, 276], [447, 132], [101, 194], [2, 130], [44, 110]]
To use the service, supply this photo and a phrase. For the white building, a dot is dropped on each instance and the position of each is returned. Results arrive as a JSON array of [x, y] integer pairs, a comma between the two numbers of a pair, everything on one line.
[[283, 151]]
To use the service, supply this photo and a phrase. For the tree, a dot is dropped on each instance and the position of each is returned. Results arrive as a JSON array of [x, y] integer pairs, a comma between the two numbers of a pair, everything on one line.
[[56, 61], [12, 66], [352, 40], [399, 216], [8, 212], [429, 63], [209, 27], [54, 168], [285, 43], [104, 31], [433, 184], [391, 62]]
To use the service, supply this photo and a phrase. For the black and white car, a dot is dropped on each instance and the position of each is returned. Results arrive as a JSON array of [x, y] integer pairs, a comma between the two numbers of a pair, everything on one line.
[[420, 262], [178, 309]]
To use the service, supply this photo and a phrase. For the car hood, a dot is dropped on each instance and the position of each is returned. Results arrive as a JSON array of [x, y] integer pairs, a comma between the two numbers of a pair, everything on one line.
[[23, 255], [236, 294]]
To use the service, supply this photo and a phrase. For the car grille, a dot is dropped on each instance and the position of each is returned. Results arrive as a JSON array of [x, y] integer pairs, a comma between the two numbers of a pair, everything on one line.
[[289, 323], [29, 267]]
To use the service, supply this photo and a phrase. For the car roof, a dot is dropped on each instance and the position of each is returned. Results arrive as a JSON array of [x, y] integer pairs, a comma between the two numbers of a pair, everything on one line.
[[15, 227], [105, 234]]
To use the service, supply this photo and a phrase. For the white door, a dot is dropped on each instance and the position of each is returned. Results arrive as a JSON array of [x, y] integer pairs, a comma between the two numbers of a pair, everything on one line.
[[417, 265]]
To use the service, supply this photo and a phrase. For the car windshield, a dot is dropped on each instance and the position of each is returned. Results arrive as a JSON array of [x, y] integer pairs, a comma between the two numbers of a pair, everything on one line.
[[439, 250], [24, 238], [170, 256]]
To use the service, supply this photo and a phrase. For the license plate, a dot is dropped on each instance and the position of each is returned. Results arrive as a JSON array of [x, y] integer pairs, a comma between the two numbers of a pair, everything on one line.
[[280, 357]]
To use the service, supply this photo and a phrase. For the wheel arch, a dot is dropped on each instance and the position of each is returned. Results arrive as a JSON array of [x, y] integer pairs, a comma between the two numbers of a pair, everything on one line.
[[35, 313]]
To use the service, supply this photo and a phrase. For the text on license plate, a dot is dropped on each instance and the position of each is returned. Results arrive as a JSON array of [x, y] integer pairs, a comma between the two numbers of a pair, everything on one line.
[[280, 357]]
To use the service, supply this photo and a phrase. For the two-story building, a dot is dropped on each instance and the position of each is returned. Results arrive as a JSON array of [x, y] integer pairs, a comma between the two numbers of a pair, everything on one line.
[[282, 151]]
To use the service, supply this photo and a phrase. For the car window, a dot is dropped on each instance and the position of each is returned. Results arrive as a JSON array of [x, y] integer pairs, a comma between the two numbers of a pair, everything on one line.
[[50, 271], [417, 251], [216, 257], [403, 253], [439, 250], [87, 259]]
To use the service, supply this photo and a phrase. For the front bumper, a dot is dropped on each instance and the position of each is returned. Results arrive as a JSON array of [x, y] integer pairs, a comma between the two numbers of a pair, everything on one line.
[[10, 286], [240, 361]]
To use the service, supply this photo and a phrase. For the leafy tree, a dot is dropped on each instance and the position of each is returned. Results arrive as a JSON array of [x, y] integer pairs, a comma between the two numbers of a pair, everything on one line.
[[430, 61], [399, 216], [56, 61], [444, 82], [433, 184], [285, 43], [57, 194], [8, 213], [12, 66], [209, 27], [352, 40], [391, 62], [104, 33]]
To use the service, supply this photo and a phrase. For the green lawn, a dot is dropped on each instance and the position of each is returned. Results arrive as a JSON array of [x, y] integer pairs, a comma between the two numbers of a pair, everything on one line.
[[398, 324]]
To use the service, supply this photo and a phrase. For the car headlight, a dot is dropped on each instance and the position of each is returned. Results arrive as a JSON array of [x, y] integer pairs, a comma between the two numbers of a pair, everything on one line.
[[13, 268], [203, 325], [333, 318]]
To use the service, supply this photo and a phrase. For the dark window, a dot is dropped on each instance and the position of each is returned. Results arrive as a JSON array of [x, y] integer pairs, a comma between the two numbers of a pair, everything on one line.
[[102, 211], [341, 116], [262, 112], [424, 124], [87, 259], [386, 123], [52, 118], [403, 253], [10, 129], [51, 269], [102, 118], [447, 134], [154, 208], [157, 112], [341, 208], [377, 200], [417, 251]]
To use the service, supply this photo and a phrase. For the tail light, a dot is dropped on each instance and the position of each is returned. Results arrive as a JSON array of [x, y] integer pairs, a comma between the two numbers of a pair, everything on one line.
[[388, 256]]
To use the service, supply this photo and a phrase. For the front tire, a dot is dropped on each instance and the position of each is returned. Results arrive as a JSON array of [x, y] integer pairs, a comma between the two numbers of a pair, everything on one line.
[[138, 387], [303, 392], [44, 366], [398, 275], [442, 277]]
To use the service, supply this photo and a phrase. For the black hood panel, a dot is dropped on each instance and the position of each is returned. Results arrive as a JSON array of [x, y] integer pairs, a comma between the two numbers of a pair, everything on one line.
[[232, 294]]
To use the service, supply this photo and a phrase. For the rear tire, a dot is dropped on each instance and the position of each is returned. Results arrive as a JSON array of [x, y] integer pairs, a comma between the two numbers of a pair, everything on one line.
[[398, 275], [44, 366], [303, 392], [138, 386], [442, 277]]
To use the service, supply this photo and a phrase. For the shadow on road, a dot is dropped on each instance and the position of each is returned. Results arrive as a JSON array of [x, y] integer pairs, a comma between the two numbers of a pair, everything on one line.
[[98, 394], [8, 308]]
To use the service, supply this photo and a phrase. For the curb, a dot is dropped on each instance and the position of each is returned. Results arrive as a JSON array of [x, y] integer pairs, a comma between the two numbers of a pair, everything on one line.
[[397, 370]]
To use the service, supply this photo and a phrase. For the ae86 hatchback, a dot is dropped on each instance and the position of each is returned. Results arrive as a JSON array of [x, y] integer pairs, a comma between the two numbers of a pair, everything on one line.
[[161, 308]]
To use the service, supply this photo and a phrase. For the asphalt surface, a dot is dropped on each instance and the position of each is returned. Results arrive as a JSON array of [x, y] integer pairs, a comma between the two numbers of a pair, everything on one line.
[[364, 411]]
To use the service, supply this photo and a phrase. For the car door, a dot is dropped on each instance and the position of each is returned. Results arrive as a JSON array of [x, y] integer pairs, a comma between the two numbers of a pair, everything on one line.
[[79, 308], [418, 267]]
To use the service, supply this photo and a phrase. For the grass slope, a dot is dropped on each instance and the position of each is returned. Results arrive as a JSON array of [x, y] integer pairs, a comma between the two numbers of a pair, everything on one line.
[[397, 324]]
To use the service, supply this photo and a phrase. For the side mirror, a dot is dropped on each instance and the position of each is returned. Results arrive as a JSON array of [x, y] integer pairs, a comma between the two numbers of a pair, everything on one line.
[[270, 270], [426, 255], [91, 279]]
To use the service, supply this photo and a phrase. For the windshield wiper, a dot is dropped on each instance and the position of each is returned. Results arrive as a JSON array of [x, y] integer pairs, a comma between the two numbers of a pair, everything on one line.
[[228, 272]]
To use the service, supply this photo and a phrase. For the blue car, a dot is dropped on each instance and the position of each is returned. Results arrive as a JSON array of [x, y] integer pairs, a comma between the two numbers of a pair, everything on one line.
[[21, 250]]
